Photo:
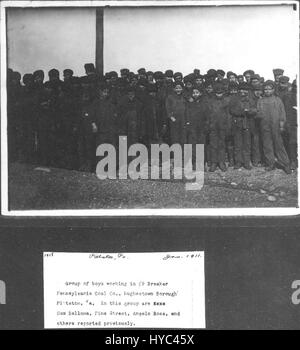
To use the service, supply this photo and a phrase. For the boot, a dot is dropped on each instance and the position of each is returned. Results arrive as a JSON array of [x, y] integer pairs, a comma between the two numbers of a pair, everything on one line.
[[237, 165], [222, 166], [270, 167], [287, 170], [293, 165], [247, 166], [213, 167]]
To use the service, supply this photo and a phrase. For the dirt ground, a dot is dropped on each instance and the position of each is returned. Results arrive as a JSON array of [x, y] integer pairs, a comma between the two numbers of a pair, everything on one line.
[[31, 189]]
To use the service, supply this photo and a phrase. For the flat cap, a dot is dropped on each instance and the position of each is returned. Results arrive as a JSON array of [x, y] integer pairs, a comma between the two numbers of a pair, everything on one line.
[[178, 74], [68, 71], [218, 88], [229, 74], [278, 71], [142, 71], [284, 79], [89, 67], [248, 72], [211, 73], [269, 83], [53, 72], [169, 73], [158, 75]]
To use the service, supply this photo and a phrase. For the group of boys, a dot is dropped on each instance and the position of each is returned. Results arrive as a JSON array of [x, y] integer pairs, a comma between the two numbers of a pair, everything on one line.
[[242, 120]]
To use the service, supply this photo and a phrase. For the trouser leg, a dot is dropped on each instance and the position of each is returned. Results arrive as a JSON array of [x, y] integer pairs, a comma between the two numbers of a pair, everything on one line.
[[268, 147]]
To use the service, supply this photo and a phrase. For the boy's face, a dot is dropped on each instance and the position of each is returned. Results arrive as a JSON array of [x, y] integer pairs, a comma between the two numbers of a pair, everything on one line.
[[231, 79], [54, 77], [198, 81], [169, 79], [133, 82], [142, 87], [159, 81], [178, 89], [188, 85], [277, 77], [248, 78], [244, 93], [104, 93], [178, 79], [196, 94], [131, 95], [283, 86], [258, 93], [220, 77], [268, 90], [38, 79], [209, 89], [67, 76], [85, 98], [254, 81], [150, 78], [241, 79], [113, 79]]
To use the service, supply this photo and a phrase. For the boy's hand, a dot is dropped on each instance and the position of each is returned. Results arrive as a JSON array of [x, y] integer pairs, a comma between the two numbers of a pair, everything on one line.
[[94, 128], [173, 119]]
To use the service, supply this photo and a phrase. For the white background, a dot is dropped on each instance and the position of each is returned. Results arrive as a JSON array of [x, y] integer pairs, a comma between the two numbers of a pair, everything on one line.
[[184, 274]]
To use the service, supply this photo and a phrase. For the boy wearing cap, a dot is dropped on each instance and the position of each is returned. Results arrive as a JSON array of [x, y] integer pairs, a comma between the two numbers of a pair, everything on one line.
[[142, 73], [242, 109], [232, 92], [27, 125], [195, 121], [256, 142], [87, 130], [277, 72], [240, 79], [104, 113], [217, 112], [272, 119], [151, 118], [175, 109], [232, 77], [248, 75], [178, 77], [290, 103], [283, 86], [46, 126], [68, 74], [129, 112], [206, 100], [188, 87], [220, 75]]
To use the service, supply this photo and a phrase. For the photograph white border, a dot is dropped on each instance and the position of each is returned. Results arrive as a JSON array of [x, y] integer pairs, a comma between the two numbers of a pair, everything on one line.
[[233, 212]]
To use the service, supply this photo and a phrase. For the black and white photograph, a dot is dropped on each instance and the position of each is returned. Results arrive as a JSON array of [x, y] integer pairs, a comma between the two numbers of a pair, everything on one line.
[[149, 108]]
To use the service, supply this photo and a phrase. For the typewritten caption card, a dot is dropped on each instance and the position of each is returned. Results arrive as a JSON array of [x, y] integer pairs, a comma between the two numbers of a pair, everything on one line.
[[124, 290]]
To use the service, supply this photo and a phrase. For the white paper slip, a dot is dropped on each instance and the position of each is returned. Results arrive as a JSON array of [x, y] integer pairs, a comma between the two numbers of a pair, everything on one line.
[[125, 290]]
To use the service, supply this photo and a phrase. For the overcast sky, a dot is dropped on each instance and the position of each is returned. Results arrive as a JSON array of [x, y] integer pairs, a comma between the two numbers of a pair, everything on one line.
[[230, 38]]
